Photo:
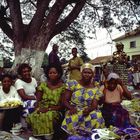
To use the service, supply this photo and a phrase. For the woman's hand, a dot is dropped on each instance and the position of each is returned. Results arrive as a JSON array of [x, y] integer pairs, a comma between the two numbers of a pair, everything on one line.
[[72, 111], [119, 81], [86, 111], [126, 92], [42, 110]]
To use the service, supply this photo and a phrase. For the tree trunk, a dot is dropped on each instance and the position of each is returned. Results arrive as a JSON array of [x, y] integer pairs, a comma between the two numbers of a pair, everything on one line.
[[32, 57]]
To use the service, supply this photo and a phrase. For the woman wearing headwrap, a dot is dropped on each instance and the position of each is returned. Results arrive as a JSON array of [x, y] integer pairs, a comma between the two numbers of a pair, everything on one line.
[[114, 90], [81, 100], [120, 61]]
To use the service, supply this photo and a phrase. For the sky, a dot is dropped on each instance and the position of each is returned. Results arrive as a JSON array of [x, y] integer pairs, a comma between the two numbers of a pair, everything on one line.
[[102, 45]]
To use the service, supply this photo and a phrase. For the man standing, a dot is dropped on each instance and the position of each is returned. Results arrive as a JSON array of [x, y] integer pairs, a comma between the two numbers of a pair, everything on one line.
[[74, 65], [53, 57]]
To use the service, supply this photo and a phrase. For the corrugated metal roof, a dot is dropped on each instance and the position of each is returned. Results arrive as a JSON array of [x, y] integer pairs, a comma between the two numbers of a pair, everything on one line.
[[101, 60]]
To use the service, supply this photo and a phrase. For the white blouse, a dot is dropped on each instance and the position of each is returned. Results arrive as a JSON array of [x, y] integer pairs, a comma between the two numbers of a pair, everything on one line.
[[29, 88], [11, 94]]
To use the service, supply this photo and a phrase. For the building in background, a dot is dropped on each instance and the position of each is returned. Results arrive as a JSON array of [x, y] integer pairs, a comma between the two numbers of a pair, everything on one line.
[[131, 41]]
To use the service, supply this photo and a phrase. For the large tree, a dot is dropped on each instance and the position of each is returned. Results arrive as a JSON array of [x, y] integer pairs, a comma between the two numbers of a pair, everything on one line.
[[32, 24], [33, 38]]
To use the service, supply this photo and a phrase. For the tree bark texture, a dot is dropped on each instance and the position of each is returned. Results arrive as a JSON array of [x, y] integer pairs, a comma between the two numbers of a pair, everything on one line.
[[32, 57]]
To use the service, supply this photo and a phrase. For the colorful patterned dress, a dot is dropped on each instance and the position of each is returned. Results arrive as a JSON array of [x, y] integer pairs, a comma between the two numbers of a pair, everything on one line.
[[42, 123], [82, 98]]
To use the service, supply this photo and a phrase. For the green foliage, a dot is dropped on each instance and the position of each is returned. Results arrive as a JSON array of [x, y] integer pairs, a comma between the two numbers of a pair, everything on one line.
[[8, 62], [85, 57], [121, 14], [69, 39], [137, 2], [45, 60], [7, 52]]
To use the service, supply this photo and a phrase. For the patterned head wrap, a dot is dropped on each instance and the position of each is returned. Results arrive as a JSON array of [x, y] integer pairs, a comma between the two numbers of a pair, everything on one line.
[[87, 65], [112, 75]]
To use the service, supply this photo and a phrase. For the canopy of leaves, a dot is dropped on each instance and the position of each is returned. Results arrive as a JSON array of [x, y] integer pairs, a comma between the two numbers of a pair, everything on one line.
[[6, 51], [122, 14]]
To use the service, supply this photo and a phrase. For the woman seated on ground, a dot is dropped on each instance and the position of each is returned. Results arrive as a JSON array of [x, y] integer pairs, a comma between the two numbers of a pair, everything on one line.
[[47, 112], [114, 91], [81, 100], [8, 91], [26, 87]]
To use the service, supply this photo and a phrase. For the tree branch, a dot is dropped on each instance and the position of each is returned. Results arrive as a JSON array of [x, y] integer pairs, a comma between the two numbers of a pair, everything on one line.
[[72, 1], [38, 18], [4, 23], [6, 29], [32, 3], [49, 23], [132, 7], [69, 19], [16, 18]]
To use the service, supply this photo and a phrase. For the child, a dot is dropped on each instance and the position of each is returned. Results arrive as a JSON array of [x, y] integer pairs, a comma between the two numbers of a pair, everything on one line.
[[114, 91], [7, 91]]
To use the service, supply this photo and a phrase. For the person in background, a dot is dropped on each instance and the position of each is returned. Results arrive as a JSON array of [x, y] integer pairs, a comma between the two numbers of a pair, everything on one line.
[[129, 62], [8, 91], [53, 55], [119, 61], [26, 88], [114, 91], [120, 56], [47, 115], [136, 74], [105, 73], [74, 66], [81, 101]]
